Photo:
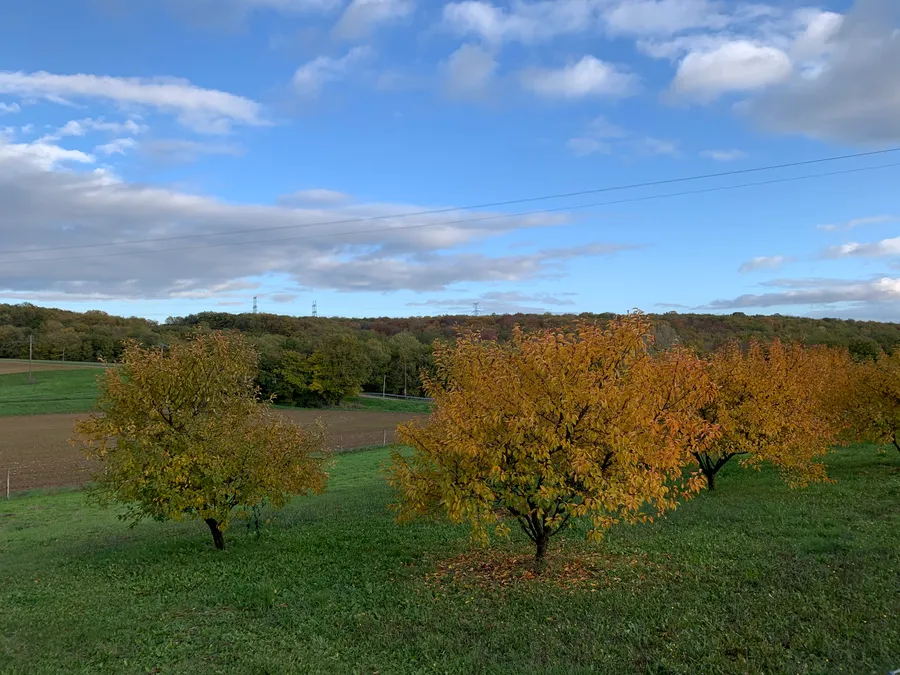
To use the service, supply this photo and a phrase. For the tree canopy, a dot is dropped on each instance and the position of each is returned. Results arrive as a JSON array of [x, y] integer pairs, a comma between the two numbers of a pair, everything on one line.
[[182, 433], [772, 404], [554, 425]]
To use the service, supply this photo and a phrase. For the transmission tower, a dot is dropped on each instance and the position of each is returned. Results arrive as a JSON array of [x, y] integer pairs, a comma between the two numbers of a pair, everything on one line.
[[254, 304], [475, 308], [315, 308]]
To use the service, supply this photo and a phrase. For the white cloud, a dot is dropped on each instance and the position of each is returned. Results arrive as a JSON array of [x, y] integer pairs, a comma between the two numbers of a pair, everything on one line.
[[820, 292], [319, 196], [818, 30], [724, 155], [853, 94], [773, 262], [311, 77], [87, 125], [601, 127], [588, 77], [45, 156], [469, 72], [858, 222], [525, 22], [178, 236], [739, 65], [362, 17], [663, 17], [657, 146], [117, 146], [875, 249], [8, 108], [203, 110], [583, 146], [603, 137]]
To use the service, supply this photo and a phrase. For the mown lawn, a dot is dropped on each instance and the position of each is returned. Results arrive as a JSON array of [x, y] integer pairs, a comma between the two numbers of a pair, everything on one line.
[[755, 578], [75, 391]]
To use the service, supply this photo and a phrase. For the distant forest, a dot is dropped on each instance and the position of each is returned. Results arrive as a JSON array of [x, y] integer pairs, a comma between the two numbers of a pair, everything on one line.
[[306, 360]]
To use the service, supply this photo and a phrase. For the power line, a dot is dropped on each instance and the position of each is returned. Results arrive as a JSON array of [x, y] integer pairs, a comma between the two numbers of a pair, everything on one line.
[[559, 209], [509, 202]]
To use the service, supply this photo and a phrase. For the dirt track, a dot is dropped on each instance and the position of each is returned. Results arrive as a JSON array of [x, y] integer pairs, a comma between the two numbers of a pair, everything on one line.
[[36, 451]]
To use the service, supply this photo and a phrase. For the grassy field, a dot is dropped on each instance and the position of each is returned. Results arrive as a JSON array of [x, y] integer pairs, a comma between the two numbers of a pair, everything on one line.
[[387, 405], [75, 391], [53, 391], [755, 578]]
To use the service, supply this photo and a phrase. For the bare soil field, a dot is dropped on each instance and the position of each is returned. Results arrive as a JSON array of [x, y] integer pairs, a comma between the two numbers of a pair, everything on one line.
[[35, 449], [8, 367]]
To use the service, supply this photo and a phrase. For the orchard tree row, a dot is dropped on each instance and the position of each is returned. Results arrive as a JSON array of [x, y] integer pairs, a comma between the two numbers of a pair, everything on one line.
[[596, 423]]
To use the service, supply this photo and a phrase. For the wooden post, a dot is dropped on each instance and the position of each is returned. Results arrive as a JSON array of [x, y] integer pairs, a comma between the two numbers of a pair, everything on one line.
[[30, 351], [7, 484], [384, 442], [384, 387]]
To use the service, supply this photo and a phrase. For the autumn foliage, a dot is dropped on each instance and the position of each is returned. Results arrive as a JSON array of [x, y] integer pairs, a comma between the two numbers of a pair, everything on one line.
[[182, 433], [553, 426], [875, 408], [774, 403]]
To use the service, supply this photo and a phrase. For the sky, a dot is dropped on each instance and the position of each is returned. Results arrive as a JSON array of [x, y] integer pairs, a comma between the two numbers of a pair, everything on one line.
[[403, 157]]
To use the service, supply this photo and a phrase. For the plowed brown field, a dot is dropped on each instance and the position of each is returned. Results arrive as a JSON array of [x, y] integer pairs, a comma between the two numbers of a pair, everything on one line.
[[34, 449]]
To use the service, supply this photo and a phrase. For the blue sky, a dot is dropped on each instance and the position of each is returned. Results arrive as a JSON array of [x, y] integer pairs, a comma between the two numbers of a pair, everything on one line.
[[159, 158]]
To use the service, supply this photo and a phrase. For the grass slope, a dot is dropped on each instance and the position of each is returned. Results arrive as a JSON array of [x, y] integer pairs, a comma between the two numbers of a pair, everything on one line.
[[75, 391], [54, 391], [755, 578]]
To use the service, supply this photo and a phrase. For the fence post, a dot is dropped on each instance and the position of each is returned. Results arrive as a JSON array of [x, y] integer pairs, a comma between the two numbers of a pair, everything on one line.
[[384, 441], [7, 484]]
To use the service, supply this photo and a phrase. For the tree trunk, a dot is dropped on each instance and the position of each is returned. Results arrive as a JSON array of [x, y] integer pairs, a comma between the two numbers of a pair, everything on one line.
[[218, 537], [710, 468], [894, 441], [541, 547]]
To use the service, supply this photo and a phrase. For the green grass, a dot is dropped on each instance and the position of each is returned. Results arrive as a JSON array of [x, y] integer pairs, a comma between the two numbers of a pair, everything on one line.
[[75, 391], [56, 362], [387, 405], [53, 391], [755, 578]]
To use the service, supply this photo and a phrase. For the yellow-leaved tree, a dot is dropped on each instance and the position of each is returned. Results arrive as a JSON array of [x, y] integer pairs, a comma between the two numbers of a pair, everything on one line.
[[182, 433], [555, 425], [875, 407], [774, 403]]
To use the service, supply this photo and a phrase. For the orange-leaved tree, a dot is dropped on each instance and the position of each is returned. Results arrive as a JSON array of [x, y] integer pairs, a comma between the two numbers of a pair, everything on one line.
[[875, 407], [555, 425], [774, 403], [182, 433]]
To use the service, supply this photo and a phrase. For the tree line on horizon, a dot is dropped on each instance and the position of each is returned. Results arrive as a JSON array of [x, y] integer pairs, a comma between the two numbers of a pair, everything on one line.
[[310, 361]]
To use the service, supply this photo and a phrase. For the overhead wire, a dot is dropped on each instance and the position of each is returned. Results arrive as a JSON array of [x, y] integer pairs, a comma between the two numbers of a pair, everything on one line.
[[473, 207], [463, 221]]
